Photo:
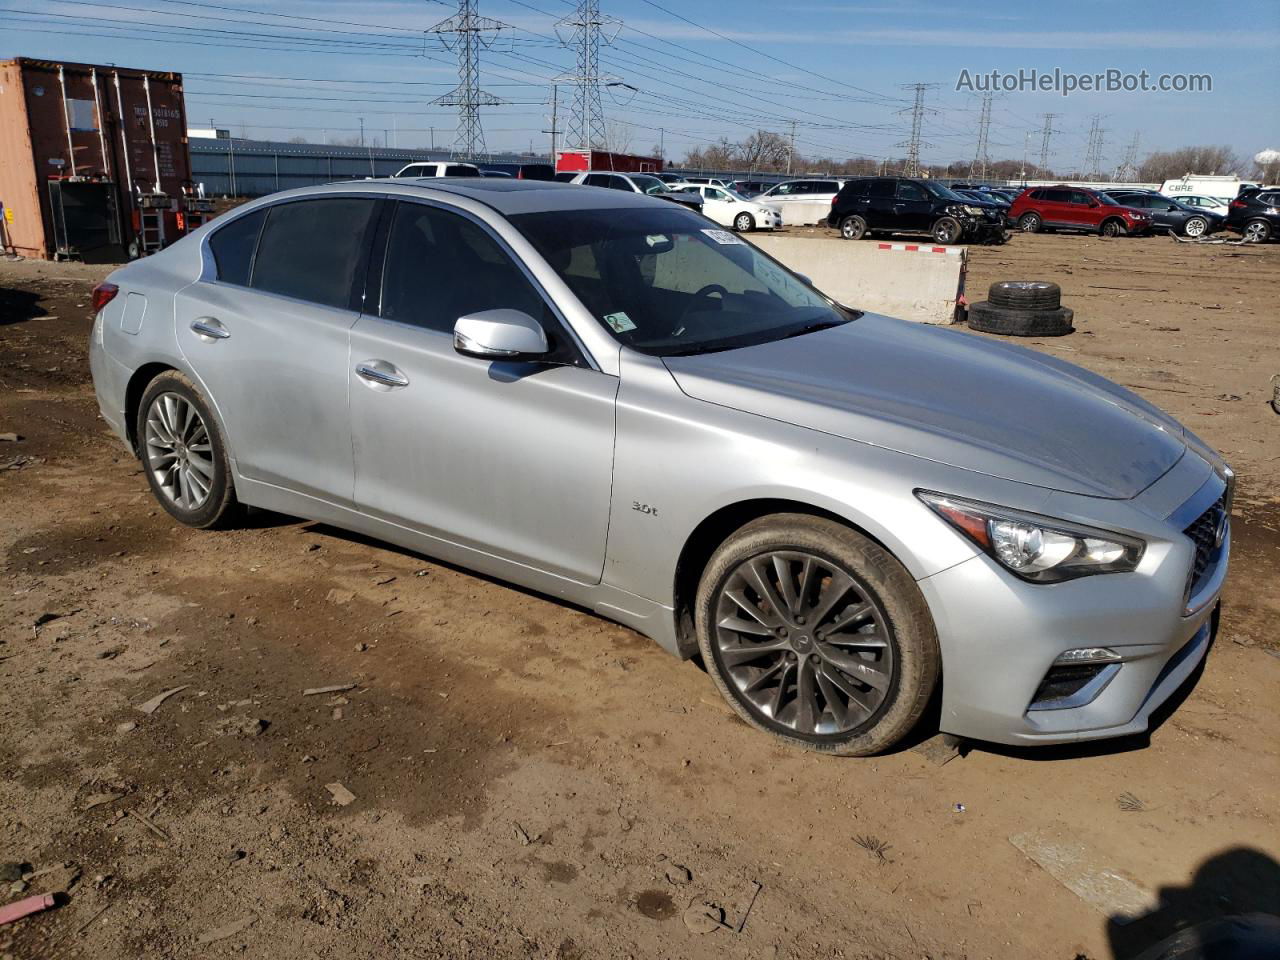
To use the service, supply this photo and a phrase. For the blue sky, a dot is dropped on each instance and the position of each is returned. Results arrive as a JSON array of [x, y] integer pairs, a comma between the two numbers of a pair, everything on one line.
[[834, 68]]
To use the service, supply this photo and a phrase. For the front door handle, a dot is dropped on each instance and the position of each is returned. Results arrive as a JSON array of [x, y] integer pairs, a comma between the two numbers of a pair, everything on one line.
[[209, 329], [381, 373]]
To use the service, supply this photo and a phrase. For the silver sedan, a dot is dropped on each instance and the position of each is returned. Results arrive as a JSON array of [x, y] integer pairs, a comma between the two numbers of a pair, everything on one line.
[[608, 399]]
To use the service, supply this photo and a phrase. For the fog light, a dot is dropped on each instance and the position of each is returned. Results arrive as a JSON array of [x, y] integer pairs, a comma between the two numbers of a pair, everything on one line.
[[1087, 655]]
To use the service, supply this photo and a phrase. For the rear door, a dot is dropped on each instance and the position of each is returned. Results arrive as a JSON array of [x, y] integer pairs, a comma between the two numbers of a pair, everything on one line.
[[1058, 210], [267, 336], [511, 459], [882, 194]]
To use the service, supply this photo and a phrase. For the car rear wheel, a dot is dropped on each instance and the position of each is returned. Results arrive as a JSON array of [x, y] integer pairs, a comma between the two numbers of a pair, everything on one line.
[[947, 230], [183, 453], [744, 223], [1112, 228], [1195, 227], [816, 635], [1257, 231], [853, 228], [1030, 223]]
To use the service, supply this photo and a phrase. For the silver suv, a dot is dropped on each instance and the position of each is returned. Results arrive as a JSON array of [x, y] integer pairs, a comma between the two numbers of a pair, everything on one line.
[[612, 400]]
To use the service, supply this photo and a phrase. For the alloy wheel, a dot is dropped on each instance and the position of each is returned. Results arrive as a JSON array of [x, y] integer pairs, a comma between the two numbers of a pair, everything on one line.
[[179, 450], [804, 644], [1195, 227], [1256, 231]]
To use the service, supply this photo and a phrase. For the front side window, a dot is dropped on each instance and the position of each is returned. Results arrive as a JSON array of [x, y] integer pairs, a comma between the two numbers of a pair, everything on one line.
[[310, 249], [911, 191], [597, 180], [233, 247], [441, 266], [785, 189], [664, 283]]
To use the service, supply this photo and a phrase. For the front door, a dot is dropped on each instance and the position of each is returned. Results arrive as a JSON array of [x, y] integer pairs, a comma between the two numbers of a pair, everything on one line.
[[913, 208], [511, 459], [267, 336]]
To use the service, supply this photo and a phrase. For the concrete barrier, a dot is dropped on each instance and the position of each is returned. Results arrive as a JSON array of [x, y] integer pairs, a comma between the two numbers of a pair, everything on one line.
[[919, 282]]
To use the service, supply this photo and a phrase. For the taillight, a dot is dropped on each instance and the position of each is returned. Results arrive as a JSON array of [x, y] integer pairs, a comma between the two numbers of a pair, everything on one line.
[[103, 294], [834, 199], [1239, 204]]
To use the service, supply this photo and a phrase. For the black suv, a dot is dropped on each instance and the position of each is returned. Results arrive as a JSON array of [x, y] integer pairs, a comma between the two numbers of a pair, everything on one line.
[[1255, 213], [898, 205]]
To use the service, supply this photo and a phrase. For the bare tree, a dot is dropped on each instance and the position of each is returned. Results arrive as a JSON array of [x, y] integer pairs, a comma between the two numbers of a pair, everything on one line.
[[617, 137], [1206, 160], [764, 150]]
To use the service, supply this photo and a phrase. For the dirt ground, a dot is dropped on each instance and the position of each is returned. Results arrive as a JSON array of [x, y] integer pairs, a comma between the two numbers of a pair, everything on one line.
[[532, 781]]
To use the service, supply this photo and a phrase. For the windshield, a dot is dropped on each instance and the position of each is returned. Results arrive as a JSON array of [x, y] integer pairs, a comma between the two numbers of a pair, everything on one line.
[[663, 283], [648, 184], [946, 193]]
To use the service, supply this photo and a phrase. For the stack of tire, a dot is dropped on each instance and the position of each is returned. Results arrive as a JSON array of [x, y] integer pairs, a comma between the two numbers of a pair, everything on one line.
[[1022, 308]]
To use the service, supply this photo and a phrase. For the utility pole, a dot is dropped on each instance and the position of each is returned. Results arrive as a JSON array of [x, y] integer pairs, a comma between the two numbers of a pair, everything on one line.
[[1026, 146], [917, 110], [980, 157], [469, 32], [1127, 172], [1046, 132], [1093, 153], [555, 130], [362, 131], [584, 31], [791, 147]]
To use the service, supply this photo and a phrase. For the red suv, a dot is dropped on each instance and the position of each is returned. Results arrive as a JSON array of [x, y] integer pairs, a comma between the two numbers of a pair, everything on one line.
[[1076, 208]]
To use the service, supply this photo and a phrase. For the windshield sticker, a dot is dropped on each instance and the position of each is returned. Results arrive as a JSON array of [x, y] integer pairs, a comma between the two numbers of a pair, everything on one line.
[[722, 236], [656, 239], [619, 322]]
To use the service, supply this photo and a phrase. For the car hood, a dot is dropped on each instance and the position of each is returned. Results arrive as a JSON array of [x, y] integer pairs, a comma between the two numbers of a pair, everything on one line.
[[980, 405]]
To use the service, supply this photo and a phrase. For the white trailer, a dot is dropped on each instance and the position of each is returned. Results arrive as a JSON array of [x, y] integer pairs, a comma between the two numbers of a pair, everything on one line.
[[1222, 188]]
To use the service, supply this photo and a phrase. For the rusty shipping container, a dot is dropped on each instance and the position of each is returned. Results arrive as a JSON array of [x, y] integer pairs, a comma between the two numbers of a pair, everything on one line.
[[94, 162]]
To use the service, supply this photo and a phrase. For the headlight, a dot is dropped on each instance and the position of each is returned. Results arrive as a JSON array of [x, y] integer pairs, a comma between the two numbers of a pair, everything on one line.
[[1037, 548], [973, 211]]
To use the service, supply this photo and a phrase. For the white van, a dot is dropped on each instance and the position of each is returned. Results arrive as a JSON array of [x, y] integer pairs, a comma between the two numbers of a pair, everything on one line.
[[1223, 188], [438, 170]]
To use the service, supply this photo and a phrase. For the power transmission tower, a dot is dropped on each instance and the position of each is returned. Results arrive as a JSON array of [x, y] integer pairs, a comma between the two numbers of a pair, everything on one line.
[[466, 33], [917, 110], [1093, 152], [586, 30], [1127, 172], [1046, 132], [980, 157]]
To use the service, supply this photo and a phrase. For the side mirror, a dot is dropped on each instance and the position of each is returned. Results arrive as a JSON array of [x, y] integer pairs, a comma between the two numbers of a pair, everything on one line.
[[500, 335]]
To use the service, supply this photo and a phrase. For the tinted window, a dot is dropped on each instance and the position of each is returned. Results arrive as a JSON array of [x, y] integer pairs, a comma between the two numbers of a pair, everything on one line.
[[310, 249], [824, 186], [620, 183], [882, 188], [1036, 195], [233, 245], [785, 189], [855, 188], [911, 191], [1270, 199], [1081, 199], [597, 180], [441, 266], [1057, 196], [458, 170]]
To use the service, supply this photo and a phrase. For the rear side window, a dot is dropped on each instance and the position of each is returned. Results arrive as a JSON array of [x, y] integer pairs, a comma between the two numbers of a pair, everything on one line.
[[456, 170], [233, 247], [1270, 199], [882, 188], [1057, 196], [310, 249]]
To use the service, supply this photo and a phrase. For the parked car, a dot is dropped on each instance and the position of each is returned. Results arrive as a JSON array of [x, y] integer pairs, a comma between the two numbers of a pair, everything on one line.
[[709, 181], [731, 208], [521, 171], [790, 191], [750, 188], [434, 169], [566, 176], [1255, 213], [1210, 204], [636, 183], [871, 205], [985, 198], [590, 394], [495, 173], [1170, 215], [1076, 208]]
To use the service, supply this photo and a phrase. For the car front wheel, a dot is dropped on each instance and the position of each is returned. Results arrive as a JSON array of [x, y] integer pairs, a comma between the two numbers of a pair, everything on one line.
[[744, 223], [183, 453], [1113, 228], [947, 230], [815, 634]]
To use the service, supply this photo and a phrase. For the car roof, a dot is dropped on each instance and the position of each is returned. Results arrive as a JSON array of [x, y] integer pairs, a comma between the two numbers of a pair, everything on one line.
[[507, 195]]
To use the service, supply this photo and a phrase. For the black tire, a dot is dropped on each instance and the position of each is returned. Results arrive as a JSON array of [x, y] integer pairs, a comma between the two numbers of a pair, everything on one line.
[[947, 230], [1025, 295], [744, 223], [218, 507], [1030, 223], [1257, 231], [910, 649], [853, 227], [1113, 228], [988, 318]]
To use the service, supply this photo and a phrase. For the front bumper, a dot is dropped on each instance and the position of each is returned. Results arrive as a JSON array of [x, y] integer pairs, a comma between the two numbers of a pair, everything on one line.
[[1000, 637]]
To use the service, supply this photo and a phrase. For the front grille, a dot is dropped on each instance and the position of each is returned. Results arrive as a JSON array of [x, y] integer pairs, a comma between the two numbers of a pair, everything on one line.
[[1204, 534]]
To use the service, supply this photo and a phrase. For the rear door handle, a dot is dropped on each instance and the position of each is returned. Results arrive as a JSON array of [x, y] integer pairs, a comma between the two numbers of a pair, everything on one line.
[[209, 329], [381, 373]]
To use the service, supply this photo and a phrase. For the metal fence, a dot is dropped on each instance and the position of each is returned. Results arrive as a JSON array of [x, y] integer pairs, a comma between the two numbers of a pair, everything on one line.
[[254, 168]]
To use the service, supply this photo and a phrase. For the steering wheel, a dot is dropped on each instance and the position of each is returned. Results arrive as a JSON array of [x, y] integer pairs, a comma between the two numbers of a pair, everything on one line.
[[702, 294]]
